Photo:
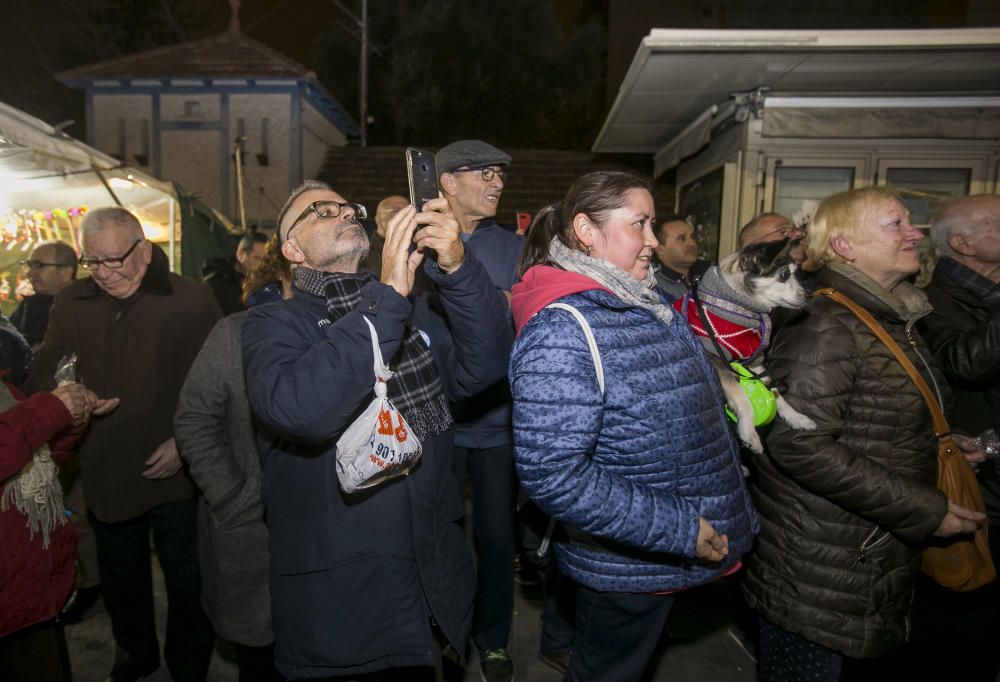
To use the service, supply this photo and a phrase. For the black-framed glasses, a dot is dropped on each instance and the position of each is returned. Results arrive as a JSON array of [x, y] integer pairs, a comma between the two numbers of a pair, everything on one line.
[[111, 263], [326, 209], [487, 172], [39, 264]]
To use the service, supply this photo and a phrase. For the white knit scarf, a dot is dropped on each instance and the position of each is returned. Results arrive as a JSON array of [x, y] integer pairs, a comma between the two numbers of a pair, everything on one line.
[[34, 490]]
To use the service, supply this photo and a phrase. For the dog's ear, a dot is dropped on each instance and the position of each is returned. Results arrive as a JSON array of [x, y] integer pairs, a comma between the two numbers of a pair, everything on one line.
[[761, 258]]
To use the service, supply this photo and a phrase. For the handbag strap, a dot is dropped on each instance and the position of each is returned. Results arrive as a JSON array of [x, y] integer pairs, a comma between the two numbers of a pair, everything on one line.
[[381, 371], [595, 353], [941, 428]]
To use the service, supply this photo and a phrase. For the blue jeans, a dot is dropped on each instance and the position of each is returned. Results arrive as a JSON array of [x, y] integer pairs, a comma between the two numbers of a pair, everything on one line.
[[127, 587]]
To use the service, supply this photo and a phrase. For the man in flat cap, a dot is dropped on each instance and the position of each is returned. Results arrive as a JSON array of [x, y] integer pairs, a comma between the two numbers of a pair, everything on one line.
[[472, 176]]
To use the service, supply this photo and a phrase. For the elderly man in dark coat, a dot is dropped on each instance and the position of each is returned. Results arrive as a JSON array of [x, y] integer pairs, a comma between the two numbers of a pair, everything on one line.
[[963, 331], [135, 328], [366, 581]]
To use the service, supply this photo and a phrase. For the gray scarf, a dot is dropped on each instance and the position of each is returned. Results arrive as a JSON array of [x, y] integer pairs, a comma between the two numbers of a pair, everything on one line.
[[909, 302], [713, 282], [642, 294]]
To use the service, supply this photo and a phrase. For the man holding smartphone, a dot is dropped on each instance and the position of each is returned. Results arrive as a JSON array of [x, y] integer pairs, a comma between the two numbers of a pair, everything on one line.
[[471, 176], [371, 580]]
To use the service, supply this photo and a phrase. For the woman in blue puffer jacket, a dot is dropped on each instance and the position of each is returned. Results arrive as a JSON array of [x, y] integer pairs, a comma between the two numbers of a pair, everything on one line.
[[644, 476]]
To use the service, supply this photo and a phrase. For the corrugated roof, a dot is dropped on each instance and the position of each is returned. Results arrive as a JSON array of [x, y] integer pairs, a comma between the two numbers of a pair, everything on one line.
[[225, 55]]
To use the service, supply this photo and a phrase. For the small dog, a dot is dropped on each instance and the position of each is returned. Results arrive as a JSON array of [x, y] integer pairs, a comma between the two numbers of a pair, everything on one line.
[[736, 298]]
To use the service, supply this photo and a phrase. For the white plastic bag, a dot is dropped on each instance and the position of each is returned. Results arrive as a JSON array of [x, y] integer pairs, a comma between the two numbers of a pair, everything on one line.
[[379, 445]]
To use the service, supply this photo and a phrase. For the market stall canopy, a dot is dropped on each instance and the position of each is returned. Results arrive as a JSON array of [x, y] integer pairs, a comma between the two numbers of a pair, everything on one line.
[[681, 81], [42, 169]]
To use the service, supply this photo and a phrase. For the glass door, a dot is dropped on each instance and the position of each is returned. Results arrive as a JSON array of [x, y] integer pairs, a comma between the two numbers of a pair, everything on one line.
[[926, 185], [794, 187]]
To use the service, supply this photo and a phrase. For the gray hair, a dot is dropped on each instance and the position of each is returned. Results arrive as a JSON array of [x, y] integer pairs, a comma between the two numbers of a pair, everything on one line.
[[956, 218], [306, 186], [111, 216]]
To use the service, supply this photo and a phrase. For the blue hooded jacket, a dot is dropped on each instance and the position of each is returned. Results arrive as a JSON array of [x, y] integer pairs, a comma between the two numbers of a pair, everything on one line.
[[628, 472]]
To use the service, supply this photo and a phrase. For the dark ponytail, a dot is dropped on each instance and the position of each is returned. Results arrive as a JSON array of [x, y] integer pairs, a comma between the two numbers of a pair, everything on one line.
[[546, 225]]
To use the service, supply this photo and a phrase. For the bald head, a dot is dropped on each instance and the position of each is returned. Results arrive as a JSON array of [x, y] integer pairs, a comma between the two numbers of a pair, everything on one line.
[[768, 227], [967, 230], [386, 209], [773, 227], [51, 266], [962, 218]]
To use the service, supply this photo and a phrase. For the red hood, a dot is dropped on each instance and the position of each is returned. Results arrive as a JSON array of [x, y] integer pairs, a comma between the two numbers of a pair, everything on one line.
[[541, 285]]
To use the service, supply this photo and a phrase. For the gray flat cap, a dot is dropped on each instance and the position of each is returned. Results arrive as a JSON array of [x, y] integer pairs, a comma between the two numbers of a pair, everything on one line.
[[471, 153]]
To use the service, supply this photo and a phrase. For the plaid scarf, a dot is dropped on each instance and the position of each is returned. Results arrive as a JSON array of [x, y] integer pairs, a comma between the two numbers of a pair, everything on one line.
[[968, 278], [415, 387]]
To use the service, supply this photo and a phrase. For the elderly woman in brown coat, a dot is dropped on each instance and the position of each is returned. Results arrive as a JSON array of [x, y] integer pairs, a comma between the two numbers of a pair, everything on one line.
[[844, 509]]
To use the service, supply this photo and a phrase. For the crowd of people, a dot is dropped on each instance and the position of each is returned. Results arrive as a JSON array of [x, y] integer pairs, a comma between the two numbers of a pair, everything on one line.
[[545, 376]]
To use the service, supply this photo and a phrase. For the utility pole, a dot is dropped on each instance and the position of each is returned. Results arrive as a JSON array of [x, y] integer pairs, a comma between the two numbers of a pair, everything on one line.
[[363, 76], [362, 28]]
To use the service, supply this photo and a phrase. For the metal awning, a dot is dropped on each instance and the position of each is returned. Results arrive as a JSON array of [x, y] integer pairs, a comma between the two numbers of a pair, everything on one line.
[[678, 77], [42, 168]]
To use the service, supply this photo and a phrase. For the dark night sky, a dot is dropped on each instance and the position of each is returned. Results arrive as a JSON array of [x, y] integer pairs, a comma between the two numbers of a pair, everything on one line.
[[38, 38]]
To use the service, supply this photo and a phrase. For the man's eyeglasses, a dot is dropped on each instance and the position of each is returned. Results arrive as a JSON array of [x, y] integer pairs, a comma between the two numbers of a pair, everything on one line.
[[488, 172], [39, 264], [325, 210], [111, 263]]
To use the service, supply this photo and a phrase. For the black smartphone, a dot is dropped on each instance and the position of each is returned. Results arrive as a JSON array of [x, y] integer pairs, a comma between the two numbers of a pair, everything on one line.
[[421, 172]]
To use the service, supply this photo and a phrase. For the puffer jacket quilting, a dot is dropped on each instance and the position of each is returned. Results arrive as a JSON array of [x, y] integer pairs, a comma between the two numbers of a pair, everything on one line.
[[844, 507], [663, 454]]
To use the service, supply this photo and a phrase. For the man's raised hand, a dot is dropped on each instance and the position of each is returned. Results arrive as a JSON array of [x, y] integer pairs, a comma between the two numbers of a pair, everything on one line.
[[440, 232], [399, 265]]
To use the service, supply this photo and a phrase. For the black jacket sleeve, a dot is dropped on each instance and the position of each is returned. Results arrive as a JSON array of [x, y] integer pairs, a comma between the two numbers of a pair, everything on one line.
[[967, 349]]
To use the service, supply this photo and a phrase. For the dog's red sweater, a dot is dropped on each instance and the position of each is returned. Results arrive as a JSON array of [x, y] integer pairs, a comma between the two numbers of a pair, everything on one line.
[[741, 342]]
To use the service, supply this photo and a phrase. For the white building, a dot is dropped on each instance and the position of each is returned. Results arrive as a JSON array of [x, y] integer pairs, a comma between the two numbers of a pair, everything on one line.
[[755, 121], [176, 112]]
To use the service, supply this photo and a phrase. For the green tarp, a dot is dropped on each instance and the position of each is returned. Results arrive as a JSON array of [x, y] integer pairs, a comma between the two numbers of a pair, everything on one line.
[[204, 235]]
